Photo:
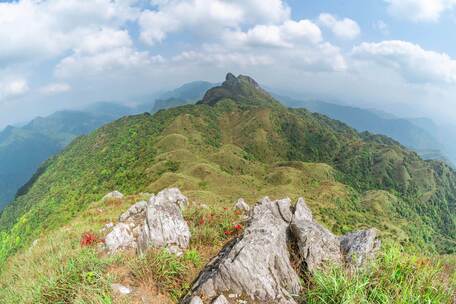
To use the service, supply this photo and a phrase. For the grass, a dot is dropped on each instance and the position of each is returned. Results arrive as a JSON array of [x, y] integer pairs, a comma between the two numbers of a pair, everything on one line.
[[171, 274], [81, 280], [59, 270], [394, 277], [216, 155]]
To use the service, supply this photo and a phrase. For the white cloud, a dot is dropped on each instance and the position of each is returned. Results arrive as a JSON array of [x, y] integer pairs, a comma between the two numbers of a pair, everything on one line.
[[208, 16], [39, 30], [103, 40], [55, 88], [419, 10], [13, 88], [285, 35], [246, 32], [344, 28], [409, 60], [103, 64]]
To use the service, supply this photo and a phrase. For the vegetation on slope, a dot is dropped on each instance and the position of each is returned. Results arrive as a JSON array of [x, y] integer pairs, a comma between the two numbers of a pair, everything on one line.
[[223, 149], [420, 135], [58, 269], [23, 149]]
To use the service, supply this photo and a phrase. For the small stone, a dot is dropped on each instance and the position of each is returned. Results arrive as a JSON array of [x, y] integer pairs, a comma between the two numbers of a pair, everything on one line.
[[358, 247], [175, 250], [107, 227], [113, 195], [221, 300], [120, 289], [242, 205], [196, 300]]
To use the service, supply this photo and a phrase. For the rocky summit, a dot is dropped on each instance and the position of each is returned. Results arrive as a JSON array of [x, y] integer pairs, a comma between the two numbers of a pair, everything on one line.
[[242, 88]]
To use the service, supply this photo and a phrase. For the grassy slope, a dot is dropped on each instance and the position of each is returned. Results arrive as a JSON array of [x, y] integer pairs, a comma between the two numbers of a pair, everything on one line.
[[217, 154], [228, 151], [23, 149]]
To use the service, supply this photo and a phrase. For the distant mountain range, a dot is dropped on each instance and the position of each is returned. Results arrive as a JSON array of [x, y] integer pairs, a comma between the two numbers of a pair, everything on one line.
[[24, 148], [418, 134]]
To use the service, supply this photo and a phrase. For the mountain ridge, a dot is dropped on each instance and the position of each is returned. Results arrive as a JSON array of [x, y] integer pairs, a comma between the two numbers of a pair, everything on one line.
[[230, 147]]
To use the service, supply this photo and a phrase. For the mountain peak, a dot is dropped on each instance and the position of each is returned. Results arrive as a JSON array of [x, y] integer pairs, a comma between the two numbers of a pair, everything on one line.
[[242, 89]]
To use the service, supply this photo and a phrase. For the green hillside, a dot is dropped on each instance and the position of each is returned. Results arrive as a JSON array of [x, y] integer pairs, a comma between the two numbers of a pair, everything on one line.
[[238, 141], [46, 136], [418, 135], [24, 149]]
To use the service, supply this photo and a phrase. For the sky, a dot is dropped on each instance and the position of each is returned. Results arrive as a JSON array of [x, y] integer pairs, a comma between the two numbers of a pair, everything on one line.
[[397, 56]]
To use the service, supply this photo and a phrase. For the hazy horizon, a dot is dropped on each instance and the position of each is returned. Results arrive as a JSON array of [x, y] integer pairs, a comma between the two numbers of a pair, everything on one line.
[[392, 55]]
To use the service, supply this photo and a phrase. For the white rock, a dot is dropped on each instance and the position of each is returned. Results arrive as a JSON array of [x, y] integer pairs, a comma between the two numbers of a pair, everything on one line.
[[302, 212], [196, 300], [121, 237], [360, 246], [242, 205], [164, 225], [221, 300], [256, 265], [136, 209], [284, 206], [113, 195], [318, 247], [120, 289]]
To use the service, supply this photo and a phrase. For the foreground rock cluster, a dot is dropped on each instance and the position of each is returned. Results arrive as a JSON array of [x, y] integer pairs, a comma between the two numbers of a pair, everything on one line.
[[263, 265], [157, 223]]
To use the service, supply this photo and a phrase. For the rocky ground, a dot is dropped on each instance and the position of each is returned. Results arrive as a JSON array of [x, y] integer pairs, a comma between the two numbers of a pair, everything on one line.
[[280, 246]]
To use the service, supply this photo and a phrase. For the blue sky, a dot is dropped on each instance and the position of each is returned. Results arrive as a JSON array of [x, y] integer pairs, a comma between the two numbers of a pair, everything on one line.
[[394, 55]]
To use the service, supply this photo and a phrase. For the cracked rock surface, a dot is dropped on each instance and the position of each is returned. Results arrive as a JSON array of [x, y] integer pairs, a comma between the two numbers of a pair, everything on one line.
[[257, 264], [157, 223]]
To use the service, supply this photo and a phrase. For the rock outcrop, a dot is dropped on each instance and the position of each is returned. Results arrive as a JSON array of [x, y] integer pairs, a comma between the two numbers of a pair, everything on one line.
[[241, 205], [113, 195], [359, 247], [121, 237], [157, 223], [164, 225], [256, 265], [317, 246]]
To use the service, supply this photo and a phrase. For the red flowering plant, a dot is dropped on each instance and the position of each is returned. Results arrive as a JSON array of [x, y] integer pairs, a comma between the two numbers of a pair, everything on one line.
[[235, 230], [89, 239]]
